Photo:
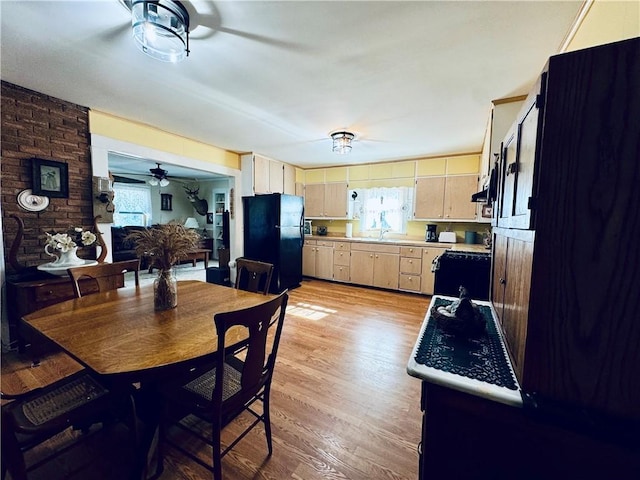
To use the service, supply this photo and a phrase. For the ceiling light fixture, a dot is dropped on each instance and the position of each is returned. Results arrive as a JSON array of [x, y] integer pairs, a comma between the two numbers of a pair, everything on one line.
[[158, 176], [342, 142], [161, 28]]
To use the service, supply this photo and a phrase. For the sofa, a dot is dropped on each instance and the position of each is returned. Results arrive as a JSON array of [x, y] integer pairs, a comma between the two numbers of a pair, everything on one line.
[[121, 248]]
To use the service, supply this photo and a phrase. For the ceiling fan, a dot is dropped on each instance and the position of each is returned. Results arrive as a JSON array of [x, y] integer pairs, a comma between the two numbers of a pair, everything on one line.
[[158, 176]]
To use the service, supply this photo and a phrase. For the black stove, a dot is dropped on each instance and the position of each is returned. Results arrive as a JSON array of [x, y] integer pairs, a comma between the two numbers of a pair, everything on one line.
[[472, 270]]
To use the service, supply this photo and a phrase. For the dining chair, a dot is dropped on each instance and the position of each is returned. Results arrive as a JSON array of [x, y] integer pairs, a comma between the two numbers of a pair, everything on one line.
[[77, 401], [105, 275], [220, 394], [253, 276]]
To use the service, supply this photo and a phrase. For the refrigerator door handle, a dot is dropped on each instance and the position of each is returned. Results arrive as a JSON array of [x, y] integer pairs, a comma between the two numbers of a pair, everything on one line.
[[302, 227]]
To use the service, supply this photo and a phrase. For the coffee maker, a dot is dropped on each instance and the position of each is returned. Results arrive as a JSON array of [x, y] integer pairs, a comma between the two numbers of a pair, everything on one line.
[[430, 234]]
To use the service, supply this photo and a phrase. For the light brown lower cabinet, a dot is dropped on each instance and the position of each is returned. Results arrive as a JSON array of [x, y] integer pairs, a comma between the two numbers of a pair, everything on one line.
[[410, 276], [375, 265], [341, 261], [317, 259]]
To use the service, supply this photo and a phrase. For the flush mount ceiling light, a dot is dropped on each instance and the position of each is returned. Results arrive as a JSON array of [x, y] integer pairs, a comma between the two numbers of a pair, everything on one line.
[[160, 28], [342, 142], [158, 176]]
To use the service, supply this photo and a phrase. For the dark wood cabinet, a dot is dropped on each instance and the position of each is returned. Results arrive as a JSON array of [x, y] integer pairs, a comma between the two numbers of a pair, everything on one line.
[[566, 290], [565, 286], [35, 290]]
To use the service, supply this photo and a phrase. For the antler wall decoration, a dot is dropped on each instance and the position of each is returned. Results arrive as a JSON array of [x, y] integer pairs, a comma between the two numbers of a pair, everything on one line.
[[200, 204]]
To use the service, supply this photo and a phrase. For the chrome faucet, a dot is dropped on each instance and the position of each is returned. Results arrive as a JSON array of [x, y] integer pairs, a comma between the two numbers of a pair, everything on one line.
[[382, 232]]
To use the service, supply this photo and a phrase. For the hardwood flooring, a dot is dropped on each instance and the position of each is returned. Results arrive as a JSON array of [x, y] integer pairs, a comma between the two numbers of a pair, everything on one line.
[[343, 406]]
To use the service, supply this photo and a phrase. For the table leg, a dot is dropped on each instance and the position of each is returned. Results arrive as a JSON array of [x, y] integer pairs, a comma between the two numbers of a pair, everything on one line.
[[148, 460]]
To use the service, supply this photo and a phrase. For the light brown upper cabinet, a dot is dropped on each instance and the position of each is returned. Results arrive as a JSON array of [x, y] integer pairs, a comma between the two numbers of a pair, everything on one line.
[[446, 197], [326, 200]]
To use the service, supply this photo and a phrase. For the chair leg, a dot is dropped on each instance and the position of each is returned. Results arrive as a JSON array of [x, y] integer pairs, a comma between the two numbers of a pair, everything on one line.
[[216, 454], [267, 420], [12, 457]]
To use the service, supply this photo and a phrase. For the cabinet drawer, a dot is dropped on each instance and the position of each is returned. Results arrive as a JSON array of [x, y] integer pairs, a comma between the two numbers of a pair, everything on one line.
[[324, 243], [411, 265], [50, 294], [340, 258], [341, 273], [342, 246], [372, 247], [413, 252], [409, 282]]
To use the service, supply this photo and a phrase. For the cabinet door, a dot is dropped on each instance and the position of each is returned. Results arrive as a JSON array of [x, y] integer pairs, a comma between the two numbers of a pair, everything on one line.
[[498, 276], [512, 263], [457, 197], [261, 172], [527, 135], [429, 196], [507, 180], [361, 267], [276, 177], [428, 277], [386, 269], [289, 175], [309, 260], [314, 200], [324, 262], [335, 200]]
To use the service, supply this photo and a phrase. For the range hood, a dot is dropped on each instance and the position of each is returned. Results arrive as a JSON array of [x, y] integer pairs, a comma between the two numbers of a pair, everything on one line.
[[481, 197], [489, 194]]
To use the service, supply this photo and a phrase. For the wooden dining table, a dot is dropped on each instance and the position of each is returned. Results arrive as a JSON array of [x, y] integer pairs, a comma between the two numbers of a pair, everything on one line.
[[121, 338]]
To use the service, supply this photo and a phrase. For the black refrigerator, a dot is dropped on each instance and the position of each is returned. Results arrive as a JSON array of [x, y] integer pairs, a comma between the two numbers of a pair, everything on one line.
[[273, 233]]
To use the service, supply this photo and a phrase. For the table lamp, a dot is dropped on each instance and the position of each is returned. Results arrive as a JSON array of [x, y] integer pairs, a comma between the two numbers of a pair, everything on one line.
[[191, 223]]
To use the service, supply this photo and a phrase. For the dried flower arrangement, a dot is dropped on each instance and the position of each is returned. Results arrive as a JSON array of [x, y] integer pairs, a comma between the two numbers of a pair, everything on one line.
[[165, 244]]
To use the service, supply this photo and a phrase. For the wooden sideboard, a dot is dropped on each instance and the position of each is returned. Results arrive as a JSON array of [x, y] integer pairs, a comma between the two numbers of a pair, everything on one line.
[[33, 290]]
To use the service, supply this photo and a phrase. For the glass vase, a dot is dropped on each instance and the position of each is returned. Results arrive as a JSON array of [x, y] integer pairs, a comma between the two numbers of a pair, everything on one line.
[[165, 290]]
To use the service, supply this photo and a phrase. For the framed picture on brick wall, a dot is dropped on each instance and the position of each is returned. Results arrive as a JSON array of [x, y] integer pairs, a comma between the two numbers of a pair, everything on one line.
[[49, 178]]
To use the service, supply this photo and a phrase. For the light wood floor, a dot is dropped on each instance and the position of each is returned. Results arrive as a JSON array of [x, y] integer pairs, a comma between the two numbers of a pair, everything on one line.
[[343, 406]]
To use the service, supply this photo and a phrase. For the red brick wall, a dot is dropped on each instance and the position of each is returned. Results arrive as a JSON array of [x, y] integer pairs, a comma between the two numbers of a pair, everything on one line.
[[37, 125]]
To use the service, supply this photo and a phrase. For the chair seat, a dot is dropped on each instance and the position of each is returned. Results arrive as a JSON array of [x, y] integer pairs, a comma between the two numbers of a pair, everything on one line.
[[203, 385], [77, 401], [66, 397], [73, 399]]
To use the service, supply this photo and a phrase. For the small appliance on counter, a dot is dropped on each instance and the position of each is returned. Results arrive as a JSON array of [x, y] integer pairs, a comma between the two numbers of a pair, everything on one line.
[[307, 227], [447, 237], [321, 230], [430, 233]]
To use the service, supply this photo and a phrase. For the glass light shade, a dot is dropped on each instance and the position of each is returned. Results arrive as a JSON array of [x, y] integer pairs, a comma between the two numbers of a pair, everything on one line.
[[164, 182], [191, 223], [161, 29], [342, 142], [153, 181]]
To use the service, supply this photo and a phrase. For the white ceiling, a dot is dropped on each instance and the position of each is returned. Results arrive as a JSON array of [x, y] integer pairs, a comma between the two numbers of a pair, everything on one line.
[[410, 79]]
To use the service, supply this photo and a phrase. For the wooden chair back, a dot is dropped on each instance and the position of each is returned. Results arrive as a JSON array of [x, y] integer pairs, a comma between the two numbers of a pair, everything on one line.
[[234, 384], [107, 276], [253, 276]]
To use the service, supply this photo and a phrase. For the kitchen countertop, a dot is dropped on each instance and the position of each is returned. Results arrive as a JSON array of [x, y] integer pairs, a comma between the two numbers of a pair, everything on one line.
[[435, 344], [458, 247]]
